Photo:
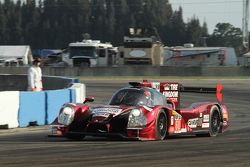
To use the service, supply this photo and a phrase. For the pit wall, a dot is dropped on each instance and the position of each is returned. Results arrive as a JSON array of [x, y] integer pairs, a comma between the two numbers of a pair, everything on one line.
[[24, 108]]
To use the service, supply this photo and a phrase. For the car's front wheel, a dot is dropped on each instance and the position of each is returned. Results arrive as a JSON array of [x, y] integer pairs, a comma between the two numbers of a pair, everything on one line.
[[161, 125]]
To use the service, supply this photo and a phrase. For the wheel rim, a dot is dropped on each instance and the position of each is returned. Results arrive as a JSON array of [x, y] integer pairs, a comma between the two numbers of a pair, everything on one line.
[[162, 127], [215, 123]]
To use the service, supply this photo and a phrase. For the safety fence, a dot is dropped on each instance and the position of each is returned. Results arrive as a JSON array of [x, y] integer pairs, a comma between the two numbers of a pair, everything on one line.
[[24, 108]]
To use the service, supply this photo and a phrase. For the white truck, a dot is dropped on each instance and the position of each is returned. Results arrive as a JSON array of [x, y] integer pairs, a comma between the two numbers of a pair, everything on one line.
[[141, 46], [90, 53]]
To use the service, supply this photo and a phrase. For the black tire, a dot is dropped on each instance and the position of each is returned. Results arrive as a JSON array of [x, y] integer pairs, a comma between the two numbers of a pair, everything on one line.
[[161, 125], [215, 123]]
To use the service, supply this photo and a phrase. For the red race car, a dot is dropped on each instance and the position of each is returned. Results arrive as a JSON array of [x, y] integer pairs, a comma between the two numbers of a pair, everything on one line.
[[143, 111]]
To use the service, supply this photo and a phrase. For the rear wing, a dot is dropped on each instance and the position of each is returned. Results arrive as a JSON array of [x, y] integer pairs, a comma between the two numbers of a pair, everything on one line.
[[171, 90], [217, 91]]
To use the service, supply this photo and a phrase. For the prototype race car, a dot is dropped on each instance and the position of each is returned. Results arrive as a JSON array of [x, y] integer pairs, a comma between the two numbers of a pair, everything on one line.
[[143, 111]]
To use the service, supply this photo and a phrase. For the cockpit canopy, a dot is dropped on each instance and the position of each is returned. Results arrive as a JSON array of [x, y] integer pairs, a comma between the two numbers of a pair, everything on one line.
[[138, 97]]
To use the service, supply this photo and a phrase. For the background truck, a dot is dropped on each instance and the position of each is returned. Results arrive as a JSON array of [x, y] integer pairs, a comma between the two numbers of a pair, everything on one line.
[[141, 46], [90, 53]]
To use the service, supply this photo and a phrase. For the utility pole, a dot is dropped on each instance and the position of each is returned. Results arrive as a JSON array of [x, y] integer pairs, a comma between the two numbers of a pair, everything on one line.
[[245, 24]]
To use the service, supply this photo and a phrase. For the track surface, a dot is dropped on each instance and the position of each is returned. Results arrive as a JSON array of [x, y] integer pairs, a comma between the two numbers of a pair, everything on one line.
[[31, 147]]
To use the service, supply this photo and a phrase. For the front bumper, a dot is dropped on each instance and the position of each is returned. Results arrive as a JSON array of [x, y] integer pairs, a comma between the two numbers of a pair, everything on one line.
[[57, 131], [61, 131]]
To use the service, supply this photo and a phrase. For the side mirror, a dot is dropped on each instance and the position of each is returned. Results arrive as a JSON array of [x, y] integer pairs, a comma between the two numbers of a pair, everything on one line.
[[89, 99]]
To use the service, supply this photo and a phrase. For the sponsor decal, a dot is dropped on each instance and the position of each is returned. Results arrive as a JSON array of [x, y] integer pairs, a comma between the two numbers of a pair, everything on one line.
[[171, 94], [201, 114], [177, 126], [205, 125], [108, 111], [177, 123], [101, 114], [206, 118], [183, 130], [199, 123], [192, 123], [170, 91], [171, 87], [53, 131], [172, 120]]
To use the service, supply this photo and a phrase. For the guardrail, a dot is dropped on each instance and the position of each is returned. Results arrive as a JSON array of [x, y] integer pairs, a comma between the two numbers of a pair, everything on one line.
[[24, 108]]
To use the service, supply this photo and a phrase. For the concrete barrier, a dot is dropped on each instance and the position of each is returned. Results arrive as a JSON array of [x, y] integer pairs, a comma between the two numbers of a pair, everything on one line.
[[80, 92], [41, 108], [54, 101], [24, 108], [9, 106], [32, 108]]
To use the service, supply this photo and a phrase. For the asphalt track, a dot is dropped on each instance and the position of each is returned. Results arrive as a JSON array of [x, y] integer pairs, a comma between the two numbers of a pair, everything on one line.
[[31, 147]]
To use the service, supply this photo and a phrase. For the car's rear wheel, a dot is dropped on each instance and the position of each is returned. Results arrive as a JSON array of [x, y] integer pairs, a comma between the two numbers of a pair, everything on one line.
[[214, 123], [161, 125]]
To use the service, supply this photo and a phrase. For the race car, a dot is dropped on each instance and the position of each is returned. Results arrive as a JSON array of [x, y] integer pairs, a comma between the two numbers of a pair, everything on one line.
[[143, 111]]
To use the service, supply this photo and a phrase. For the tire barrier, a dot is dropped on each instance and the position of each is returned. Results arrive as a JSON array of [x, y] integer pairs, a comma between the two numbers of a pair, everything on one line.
[[24, 108]]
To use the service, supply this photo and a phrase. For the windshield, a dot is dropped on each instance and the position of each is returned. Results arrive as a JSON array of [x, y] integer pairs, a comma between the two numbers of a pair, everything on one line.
[[82, 51], [129, 97]]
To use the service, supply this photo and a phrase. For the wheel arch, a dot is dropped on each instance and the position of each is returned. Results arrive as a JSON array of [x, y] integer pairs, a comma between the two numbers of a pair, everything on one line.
[[168, 113]]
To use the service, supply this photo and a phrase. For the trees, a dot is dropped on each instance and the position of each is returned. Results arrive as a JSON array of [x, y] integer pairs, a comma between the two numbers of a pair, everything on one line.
[[176, 29], [2, 25], [55, 23], [194, 31], [226, 35]]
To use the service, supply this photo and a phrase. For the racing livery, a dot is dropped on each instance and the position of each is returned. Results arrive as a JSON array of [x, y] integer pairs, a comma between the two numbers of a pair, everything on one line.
[[143, 111]]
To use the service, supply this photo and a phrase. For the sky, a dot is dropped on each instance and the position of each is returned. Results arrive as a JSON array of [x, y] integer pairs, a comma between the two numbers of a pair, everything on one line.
[[212, 11]]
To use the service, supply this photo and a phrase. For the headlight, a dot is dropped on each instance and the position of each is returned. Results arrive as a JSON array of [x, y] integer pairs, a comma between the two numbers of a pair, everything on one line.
[[66, 116], [136, 112], [136, 119]]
